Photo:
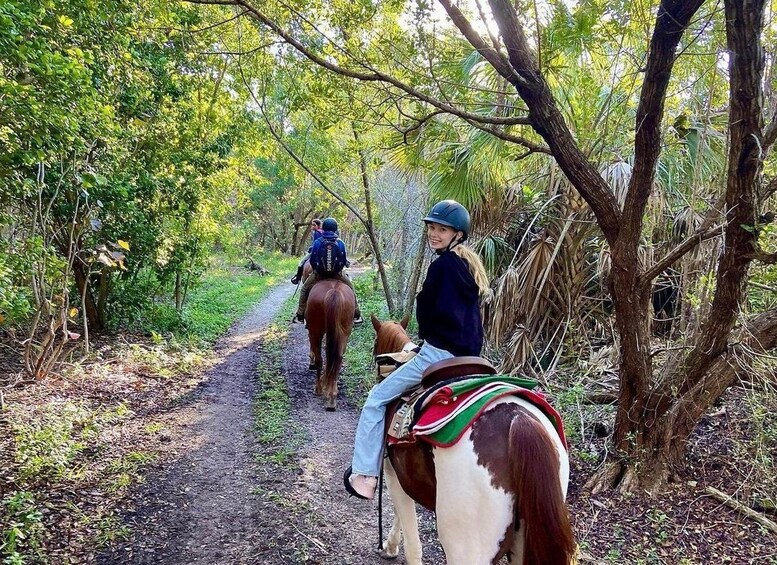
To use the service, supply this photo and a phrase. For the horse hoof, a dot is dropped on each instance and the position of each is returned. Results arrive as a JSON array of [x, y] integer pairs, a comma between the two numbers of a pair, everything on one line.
[[312, 367], [331, 409], [384, 554]]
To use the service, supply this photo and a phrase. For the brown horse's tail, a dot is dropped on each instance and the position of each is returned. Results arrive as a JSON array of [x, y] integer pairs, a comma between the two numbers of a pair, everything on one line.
[[539, 500], [335, 334]]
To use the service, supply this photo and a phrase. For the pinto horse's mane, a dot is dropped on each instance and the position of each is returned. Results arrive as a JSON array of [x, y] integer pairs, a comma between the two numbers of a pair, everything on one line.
[[391, 337]]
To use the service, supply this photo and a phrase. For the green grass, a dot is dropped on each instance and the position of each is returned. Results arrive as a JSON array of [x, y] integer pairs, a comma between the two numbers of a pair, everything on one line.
[[49, 445], [127, 471], [225, 293], [61, 442], [279, 436], [22, 529], [358, 376]]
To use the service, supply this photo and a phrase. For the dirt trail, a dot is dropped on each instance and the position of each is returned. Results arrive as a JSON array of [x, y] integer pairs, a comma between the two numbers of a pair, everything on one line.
[[200, 507], [345, 528], [215, 504]]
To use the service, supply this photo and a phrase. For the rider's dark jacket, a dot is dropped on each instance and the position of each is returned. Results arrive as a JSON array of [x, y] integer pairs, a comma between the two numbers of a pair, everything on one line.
[[447, 308], [317, 234], [326, 235]]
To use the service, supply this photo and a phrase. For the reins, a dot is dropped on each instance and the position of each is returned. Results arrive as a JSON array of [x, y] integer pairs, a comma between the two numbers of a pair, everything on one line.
[[382, 459], [380, 506]]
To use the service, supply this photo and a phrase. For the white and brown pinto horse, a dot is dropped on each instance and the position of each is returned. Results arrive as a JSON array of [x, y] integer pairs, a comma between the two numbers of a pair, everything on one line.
[[499, 491]]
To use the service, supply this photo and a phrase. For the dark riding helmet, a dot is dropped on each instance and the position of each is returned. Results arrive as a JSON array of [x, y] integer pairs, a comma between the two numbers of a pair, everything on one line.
[[330, 224], [452, 214]]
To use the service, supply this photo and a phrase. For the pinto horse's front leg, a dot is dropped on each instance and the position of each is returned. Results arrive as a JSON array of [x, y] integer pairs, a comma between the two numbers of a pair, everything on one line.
[[405, 522]]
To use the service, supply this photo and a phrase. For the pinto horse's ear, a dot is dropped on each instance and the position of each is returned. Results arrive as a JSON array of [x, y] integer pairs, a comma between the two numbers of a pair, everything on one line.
[[375, 322], [405, 321]]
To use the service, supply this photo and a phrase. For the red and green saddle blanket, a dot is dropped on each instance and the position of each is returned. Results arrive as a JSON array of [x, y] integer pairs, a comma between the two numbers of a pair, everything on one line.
[[440, 415]]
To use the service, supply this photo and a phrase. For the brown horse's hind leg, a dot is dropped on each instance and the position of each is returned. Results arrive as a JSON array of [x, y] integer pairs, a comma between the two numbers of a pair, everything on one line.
[[330, 398], [311, 361], [317, 365]]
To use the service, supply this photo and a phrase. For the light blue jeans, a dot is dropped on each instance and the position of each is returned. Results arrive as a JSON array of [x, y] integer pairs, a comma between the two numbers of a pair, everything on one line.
[[372, 421]]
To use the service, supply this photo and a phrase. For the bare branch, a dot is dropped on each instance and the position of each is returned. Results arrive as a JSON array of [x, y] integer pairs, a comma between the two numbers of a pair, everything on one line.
[[531, 146], [294, 155], [549, 123], [374, 76], [496, 58], [672, 19], [240, 53], [763, 257], [703, 233], [217, 24], [494, 39], [676, 253], [419, 122], [762, 520]]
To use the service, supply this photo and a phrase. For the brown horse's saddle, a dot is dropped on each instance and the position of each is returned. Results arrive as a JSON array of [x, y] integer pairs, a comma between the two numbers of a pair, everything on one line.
[[400, 413]]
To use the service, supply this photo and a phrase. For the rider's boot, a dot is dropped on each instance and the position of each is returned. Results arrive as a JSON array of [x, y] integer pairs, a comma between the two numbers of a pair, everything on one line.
[[298, 276]]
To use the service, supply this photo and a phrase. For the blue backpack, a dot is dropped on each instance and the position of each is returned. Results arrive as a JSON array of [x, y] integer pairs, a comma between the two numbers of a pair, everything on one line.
[[327, 258]]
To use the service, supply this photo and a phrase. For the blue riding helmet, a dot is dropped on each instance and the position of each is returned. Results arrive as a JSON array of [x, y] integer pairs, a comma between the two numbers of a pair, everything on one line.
[[330, 224], [452, 214]]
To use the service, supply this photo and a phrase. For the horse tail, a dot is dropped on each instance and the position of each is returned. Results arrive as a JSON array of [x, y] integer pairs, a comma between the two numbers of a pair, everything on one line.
[[333, 303], [533, 459]]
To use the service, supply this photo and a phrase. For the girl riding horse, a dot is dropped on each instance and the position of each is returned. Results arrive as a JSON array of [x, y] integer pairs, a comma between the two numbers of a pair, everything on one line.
[[498, 489], [449, 322]]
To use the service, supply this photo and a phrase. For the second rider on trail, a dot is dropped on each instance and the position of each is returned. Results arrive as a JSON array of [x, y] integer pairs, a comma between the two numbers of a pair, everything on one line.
[[328, 259]]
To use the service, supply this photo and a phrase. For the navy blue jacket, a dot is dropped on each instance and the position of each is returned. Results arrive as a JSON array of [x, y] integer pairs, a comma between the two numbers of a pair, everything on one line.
[[330, 235], [447, 308], [317, 234]]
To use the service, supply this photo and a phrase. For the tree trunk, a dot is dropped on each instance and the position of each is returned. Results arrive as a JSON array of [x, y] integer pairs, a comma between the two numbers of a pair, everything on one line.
[[653, 425], [178, 292], [370, 225], [92, 313], [659, 452], [102, 296], [415, 276]]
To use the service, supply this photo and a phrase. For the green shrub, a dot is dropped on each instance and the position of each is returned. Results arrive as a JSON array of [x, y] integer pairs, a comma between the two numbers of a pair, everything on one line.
[[22, 528]]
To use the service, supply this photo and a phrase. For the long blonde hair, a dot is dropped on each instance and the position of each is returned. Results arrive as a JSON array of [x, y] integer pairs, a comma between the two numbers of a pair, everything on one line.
[[475, 267]]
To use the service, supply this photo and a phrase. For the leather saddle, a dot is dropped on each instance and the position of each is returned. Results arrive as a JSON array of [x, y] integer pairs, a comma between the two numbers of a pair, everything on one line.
[[448, 369], [456, 367]]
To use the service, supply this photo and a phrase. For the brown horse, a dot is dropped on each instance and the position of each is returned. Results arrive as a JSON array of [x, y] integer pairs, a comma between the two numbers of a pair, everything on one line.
[[329, 312], [499, 490]]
